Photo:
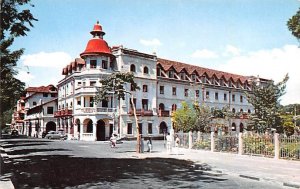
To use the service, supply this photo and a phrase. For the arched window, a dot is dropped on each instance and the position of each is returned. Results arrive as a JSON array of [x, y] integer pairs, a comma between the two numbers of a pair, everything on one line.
[[233, 127], [161, 106], [241, 127], [249, 111], [233, 110], [146, 70], [163, 128], [174, 107], [241, 110], [132, 68]]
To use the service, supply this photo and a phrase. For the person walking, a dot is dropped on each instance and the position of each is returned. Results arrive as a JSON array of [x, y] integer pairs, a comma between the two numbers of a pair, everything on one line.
[[113, 140], [177, 143], [149, 144], [169, 141]]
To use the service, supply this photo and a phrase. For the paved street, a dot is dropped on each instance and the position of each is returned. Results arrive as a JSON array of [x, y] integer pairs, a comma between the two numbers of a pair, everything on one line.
[[36, 163]]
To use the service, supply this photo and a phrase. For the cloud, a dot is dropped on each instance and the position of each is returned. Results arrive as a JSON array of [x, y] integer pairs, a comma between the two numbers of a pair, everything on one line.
[[270, 64], [204, 53], [231, 51], [43, 59], [152, 42], [25, 76]]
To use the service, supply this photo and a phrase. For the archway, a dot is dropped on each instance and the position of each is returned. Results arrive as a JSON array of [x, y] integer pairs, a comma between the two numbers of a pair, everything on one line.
[[163, 128], [88, 126], [100, 131], [161, 106], [233, 127], [77, 122], [50, 126]]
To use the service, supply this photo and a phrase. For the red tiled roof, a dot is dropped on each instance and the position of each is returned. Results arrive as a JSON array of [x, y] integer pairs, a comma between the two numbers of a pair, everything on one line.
[[79, 61], [42, 89], [179, 66]]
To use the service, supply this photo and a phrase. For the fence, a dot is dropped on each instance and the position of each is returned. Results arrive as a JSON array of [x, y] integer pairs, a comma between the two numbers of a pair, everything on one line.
[[276, 146]]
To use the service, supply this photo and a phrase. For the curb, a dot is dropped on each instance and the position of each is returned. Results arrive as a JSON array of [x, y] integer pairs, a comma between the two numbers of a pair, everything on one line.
[[289, 184], [5, 182]]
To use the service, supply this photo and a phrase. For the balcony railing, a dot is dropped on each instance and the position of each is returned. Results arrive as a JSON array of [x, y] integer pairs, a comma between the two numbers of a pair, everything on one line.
[[163, 113], [97, 110], [62, 113], [141, 112]]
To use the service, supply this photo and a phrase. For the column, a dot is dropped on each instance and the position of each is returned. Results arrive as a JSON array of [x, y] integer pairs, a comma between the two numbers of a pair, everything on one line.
[[276, 146], [190, 139], [212, 141], [94, 131], [240, 150]]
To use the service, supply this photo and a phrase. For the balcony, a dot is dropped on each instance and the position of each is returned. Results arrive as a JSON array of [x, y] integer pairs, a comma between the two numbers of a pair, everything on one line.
[[141, 112], [86, 89], [62, 113], [163, 113], [93, 110]]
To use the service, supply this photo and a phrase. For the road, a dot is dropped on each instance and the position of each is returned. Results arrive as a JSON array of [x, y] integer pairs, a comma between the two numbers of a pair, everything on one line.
[[36, 163]]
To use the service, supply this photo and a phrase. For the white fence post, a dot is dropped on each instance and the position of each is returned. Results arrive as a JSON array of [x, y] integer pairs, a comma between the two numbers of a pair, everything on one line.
[[276, 146], [198, 136], [240, 150], [190, 139], [212, 141]]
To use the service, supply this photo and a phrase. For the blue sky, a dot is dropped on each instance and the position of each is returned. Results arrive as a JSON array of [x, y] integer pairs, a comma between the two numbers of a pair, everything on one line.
[[247, 37]]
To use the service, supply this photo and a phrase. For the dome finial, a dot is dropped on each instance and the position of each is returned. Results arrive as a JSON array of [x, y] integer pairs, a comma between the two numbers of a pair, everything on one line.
[[97, 21]]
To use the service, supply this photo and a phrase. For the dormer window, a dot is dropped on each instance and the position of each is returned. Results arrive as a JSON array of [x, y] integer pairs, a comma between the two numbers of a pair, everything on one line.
[[171, 74], [158, 72], [146, 70], [193, 77], [93, 64], [132, 68], [104, 64], [182, 75]]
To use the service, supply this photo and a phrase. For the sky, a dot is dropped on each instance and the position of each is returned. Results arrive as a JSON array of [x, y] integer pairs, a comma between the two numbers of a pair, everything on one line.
[[246, 37]]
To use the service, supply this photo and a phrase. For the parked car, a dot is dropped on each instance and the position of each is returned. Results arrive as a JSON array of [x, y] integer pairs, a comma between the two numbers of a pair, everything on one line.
[[14, 133], [56, 135]]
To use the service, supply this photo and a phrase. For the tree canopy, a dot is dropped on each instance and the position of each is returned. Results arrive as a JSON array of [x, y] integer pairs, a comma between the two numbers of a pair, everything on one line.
[[265, 98], [294, 24], [15, 22]]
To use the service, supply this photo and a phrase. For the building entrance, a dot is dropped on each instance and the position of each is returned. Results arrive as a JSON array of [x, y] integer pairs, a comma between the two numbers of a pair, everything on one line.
[[100, 132]]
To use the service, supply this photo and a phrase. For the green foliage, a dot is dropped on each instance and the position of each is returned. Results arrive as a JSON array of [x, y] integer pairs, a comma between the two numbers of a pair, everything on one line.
[[15, 22], [265, 98], [184, 118], [204, 115], [116, 83], [294, 24]]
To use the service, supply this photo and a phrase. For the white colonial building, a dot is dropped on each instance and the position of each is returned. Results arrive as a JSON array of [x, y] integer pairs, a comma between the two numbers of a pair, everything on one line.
[[164, 85], [40, 103]]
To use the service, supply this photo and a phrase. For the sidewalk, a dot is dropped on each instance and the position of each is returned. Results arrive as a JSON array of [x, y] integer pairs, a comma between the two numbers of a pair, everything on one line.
[[283, 172]]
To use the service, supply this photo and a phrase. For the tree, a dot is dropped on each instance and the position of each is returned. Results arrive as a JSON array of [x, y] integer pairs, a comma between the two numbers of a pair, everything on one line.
[[116, 83], [185, 118], [204, 115], [265, 98], [15, 22], [294, 24]]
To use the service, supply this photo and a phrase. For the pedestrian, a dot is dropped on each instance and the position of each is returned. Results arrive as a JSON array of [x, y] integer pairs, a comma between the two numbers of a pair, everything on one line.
[[177, 143], [113, 140], [149, 144], [169, 140]]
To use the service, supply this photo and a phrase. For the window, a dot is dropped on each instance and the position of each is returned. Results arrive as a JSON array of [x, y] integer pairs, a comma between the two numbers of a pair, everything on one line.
[[233, 98], [216, 96], [145, 104], [197, 93], [149, 128], [207, 94], [132, 68], [233, 127], [78, 102], [241, 98], [174, 107], [140, 128], [93, 64], [93, 83], [193, 77], [171, 74], [161, 89], [174, 90], [241, 110], [50, 110], [129, 128], [225, 97], [186, 92], [145, 88], [34, 103], [104, 103], [131, 88], [249, 111], [52, 94], [146, 70], [134, 101], [91, 101], [79, 84], [45, 94], [158, 71], [233, 110], [182, 75], [104, 64]]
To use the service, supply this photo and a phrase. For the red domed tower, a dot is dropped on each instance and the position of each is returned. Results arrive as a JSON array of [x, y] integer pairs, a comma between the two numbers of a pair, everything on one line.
[[97, 46]]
